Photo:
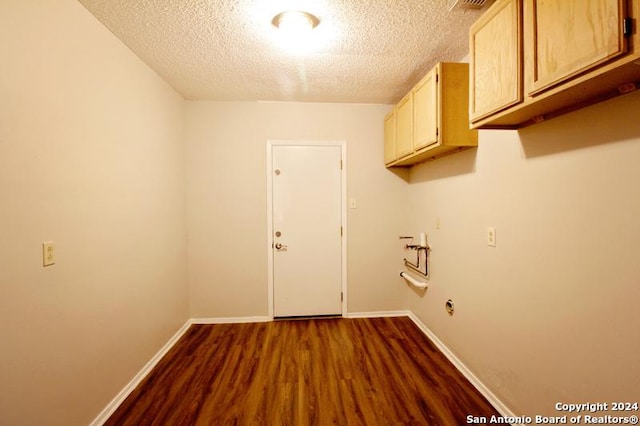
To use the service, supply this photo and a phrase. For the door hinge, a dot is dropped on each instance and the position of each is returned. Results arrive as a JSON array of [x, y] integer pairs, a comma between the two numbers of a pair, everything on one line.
[[340, 164], [341, 296], [341, 231], [437, 131], [437, 78], [627, 27]]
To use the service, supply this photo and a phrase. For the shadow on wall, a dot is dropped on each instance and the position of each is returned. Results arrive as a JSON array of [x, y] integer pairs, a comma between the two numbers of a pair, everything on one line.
[[402, 172], [615, 120], [459, 163]]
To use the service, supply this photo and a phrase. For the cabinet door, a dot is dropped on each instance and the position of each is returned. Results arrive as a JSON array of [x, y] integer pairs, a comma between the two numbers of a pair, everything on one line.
[[425, 111], [496, 59], [570, 37], [404, 127], [390, 137]]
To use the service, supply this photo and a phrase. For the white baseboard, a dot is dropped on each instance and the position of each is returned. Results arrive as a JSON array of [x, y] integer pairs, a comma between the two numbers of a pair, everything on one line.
[[230, 320], [377, 314], [497, 404], [124, 393]]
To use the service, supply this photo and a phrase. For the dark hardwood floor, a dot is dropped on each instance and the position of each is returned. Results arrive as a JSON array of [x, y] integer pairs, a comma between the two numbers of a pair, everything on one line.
[[377, 371]]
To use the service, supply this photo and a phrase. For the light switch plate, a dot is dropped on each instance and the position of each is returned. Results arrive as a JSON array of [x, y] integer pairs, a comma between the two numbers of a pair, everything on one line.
[[48, 253], [491, 236]]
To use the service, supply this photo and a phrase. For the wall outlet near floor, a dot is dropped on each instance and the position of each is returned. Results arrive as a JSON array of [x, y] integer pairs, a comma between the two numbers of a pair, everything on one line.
[[48, 253], [491, 236]]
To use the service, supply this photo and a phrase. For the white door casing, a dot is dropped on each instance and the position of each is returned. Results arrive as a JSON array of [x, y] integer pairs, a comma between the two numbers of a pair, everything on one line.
[[307, 229]]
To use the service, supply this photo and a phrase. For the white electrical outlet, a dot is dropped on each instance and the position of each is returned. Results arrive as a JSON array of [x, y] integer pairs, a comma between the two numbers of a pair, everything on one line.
[[491, 236], [48, 253]]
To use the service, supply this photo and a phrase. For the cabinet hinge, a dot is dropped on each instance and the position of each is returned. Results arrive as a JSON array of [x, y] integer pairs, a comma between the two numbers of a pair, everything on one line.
[[627, 27]]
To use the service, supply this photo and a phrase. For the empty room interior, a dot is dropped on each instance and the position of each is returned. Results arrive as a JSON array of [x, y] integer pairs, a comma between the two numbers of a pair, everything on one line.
[[152, 153]]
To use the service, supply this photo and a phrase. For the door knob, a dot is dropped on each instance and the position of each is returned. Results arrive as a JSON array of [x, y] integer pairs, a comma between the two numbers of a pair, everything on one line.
[[279, 246]]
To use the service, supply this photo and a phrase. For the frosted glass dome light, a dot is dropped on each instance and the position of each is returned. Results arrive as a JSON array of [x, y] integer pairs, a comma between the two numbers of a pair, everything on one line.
[[295, 22]]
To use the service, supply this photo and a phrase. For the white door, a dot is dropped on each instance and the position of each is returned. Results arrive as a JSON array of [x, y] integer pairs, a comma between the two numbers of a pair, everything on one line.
[[307, 234]]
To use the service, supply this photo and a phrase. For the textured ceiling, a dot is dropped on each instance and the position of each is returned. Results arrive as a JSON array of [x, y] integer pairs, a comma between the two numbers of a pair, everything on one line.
[[363, 51]]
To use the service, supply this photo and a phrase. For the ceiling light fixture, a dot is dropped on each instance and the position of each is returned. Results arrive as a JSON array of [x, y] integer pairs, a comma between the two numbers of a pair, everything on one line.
[[295, 21]]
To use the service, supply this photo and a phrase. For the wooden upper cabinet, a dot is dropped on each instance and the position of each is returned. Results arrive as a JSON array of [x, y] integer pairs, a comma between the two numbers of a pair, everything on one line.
[[570, 37], [404, 126], [432, 120], [390, 137], [532, 60], [425, 111], [496, 59]]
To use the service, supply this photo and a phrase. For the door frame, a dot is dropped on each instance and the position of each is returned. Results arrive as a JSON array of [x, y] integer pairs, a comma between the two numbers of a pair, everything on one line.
[[343, 214]]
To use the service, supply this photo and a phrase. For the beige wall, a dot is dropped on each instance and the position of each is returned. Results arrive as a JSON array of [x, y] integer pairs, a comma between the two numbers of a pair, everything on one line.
[[227, 204], [551, 313], [91, 157]]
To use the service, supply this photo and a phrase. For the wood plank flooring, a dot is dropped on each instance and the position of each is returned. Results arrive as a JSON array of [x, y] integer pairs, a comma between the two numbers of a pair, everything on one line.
[[376, 371]]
